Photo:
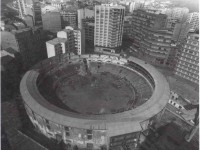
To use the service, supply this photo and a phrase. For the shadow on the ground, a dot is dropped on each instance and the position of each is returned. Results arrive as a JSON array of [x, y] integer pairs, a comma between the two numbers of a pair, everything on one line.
[[168, 137]]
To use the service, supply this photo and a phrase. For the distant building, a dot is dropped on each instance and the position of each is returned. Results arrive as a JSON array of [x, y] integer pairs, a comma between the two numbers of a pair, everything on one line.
[[51, 21], [30, 7], [193, 20], [69, 19], [49, 8], [188, 61], [21, 7], [127, 26], [37, 13], [109, 23], [84, 14], [176, 15], [57, 4], [132, 7]]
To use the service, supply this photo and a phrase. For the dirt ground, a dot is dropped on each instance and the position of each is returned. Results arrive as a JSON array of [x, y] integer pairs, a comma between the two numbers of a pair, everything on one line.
[[96, 93]]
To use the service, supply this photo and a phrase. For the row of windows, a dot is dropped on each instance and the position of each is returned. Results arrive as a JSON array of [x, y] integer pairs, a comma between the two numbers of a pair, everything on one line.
[[188, 69], [183, 71], [49, 124], [190, 63], [187, 77], [189, 57]]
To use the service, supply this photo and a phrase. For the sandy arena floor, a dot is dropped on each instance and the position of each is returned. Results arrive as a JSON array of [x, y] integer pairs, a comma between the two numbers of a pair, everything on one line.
[[96, 93]]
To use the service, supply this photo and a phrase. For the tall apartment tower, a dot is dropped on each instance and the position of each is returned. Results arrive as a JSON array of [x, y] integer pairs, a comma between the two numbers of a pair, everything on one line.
[[150, 35], [109, 22], [193, 19], [188, 62]]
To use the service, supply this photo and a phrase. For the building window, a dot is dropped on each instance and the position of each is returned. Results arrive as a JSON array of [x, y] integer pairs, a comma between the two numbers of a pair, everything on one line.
[[89, 134], [89, 137]]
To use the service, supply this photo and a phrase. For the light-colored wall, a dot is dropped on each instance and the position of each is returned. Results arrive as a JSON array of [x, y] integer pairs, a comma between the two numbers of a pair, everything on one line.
[[50, 50], [62, 34]]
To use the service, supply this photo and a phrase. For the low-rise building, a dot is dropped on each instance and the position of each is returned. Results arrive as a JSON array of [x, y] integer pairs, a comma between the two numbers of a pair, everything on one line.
[[69, 40], [57, 46]]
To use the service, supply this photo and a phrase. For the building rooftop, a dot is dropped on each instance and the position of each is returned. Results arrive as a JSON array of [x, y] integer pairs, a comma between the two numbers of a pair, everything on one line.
[[57, 40], [116, 6]]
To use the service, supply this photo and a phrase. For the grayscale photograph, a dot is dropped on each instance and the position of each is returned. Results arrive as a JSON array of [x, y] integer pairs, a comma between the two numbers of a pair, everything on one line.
[[99, 74]]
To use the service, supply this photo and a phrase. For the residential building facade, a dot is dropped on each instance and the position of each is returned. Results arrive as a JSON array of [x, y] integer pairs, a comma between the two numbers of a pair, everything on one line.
[[84, 14], [188, 62], [150, 36], [37, 13], [51, 21], [89, 32], [193, 20], [69, 40], [69, 19], [56, 46], [180, 31], [22, 8], [127, 26], [109, 22]]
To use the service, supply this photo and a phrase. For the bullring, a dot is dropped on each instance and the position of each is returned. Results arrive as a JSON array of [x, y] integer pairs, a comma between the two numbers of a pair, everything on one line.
[[122, 116]]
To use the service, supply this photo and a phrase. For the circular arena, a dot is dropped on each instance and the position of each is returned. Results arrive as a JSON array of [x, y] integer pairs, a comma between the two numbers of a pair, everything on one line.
[[94, 101]]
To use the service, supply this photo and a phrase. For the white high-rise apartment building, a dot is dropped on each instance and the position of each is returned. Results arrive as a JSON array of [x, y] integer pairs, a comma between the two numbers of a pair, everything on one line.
[[109, 22], [193, 19]]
